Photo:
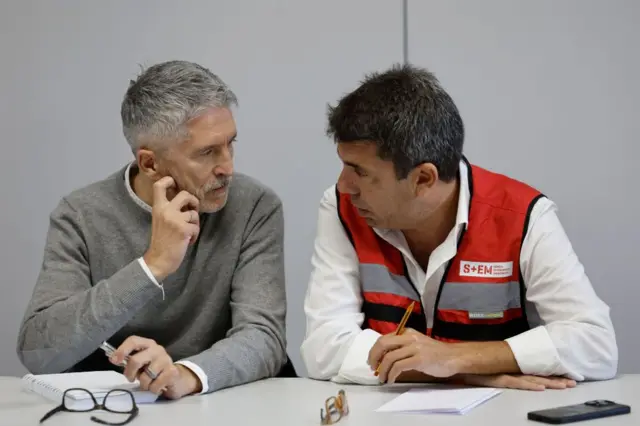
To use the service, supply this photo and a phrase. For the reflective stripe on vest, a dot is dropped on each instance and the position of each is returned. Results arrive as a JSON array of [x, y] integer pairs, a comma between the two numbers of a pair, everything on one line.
[[479, 304], [480, 298], [385, 305], [479, 311]]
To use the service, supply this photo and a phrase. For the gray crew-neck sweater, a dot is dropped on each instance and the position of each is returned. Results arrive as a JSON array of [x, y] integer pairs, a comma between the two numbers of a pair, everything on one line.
[[223, 310]]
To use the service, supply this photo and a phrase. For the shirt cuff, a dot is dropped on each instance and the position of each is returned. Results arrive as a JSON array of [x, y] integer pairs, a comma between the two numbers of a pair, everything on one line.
[[535, 353], [204, 380], [147, 271], [354, 368]]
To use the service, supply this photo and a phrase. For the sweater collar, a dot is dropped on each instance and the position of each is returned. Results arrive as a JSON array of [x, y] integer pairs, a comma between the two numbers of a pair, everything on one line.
[[130, 191]]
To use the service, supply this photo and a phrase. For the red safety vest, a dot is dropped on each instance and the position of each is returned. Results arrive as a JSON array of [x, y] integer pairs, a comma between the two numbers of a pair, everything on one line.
[[481, 296]]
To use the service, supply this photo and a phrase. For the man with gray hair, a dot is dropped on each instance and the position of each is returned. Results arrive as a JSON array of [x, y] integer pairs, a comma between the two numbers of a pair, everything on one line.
[[175, 264]]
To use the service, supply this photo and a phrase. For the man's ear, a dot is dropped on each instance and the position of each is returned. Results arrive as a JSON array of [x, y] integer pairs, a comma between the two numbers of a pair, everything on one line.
[[148, 163], [424, 177]]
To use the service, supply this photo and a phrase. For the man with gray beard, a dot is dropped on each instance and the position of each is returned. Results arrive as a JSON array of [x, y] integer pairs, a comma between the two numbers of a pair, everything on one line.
[[169, 260]]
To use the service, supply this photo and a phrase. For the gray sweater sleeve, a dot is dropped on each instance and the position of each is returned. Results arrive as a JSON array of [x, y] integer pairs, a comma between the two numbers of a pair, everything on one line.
[[68, 317], [255, 345]]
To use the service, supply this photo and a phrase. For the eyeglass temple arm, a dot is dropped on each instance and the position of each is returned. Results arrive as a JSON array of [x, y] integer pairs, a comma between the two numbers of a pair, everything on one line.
[[132, 414], [52, 412]]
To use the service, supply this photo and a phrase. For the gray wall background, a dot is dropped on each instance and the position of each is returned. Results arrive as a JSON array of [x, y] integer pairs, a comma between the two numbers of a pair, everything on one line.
[[548, 91]]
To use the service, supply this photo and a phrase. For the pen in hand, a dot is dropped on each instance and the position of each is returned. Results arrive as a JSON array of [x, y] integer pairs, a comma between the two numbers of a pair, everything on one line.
[[400, 328], [109, 350]]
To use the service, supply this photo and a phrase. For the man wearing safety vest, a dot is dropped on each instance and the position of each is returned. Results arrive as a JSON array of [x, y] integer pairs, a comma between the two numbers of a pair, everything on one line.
[[500, 297]]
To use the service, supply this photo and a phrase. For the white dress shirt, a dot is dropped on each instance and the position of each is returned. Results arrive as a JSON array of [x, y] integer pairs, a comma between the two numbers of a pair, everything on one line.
[[571, 331], [199, 372]]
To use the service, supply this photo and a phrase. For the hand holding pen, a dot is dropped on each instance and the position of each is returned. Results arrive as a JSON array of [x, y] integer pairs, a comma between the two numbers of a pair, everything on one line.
[[400, 328], [408, 352], [149, 362], [110, 351]]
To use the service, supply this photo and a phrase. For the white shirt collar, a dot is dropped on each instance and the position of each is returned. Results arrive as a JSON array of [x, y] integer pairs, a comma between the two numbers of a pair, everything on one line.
[[464, 198], [134, 196]]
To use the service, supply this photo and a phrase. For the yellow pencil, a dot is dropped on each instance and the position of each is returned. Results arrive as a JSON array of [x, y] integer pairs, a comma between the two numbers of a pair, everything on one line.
[[400, 328]]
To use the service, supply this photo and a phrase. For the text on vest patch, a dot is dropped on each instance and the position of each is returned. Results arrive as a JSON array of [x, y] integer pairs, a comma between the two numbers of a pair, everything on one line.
[[486, 269]]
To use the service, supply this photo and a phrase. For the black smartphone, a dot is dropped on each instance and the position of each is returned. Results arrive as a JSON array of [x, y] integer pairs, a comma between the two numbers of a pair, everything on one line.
[[574, 413]]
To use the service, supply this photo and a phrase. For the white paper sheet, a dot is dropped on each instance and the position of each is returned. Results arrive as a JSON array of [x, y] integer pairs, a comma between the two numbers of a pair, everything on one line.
[[452, 401]]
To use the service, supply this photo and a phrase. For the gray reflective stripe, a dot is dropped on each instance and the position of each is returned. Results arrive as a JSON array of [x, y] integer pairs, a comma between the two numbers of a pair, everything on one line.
[[377, 278], [480, 297]]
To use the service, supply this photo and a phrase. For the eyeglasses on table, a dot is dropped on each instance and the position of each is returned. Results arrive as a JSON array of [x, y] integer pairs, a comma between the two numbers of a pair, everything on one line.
[[118, 401], [335, 408]]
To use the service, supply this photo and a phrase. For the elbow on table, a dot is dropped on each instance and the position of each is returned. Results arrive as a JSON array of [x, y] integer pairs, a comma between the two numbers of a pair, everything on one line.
[[38, 368], [611, 370], [608, 364], [23, 351], [603, 363], [316, 368], [35, 363], [273, 350], [606, 369], [35, 357], [282, 359], [315, 372]]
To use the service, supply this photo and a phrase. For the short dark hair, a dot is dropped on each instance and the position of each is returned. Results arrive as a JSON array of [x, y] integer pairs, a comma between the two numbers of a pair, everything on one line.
[[408, 115]]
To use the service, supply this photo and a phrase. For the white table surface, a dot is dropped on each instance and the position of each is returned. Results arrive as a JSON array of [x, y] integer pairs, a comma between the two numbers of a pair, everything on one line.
[[298, 402]]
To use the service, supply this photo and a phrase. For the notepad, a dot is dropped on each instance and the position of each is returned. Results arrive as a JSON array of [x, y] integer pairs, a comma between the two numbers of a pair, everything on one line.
[[52, 387], [448, 401]]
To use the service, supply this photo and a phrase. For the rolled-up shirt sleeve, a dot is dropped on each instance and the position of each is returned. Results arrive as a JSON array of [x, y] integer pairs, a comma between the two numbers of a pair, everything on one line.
[[572, 332]]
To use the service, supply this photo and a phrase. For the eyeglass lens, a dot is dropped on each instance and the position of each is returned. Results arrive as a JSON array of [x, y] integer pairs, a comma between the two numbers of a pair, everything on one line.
[[116, 401], [332, 412]]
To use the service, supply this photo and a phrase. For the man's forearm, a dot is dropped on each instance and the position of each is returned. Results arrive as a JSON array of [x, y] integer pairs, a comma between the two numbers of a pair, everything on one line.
[[249, 355], [479, 358], [255, 346], [414, 376], [483, 358], [58, 332]]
